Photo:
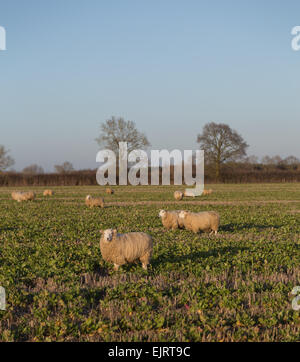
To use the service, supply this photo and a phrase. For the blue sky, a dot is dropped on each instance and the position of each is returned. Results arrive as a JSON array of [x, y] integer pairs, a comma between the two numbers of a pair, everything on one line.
[[171, 66]]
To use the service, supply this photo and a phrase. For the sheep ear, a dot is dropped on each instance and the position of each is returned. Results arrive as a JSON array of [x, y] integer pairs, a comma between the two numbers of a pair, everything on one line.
[[101, 231], [115, 231]]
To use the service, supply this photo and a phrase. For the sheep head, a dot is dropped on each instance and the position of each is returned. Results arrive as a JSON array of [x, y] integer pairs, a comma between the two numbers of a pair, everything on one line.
[[182, 214], [108, 234], [162, 213]]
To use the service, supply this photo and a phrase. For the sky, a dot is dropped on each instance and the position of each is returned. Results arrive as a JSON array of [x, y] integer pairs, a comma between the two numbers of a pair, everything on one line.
[[171, 66]]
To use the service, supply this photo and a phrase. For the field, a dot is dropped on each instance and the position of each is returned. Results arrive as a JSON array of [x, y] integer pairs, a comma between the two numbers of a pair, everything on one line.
[[235, 286]]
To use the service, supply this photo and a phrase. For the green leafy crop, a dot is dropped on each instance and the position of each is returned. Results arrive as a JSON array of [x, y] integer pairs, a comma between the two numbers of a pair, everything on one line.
[[235, 286]]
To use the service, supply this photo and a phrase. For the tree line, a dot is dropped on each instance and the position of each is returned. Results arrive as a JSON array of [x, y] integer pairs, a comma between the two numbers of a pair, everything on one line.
[[225, 152]]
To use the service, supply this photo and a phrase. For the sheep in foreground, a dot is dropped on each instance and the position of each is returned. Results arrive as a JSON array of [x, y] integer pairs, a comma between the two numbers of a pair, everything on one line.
[[23, 196], [207, 221], [48, 193], [109, 191], [94, 201], [170, 219], [178, 195], [120, 249]]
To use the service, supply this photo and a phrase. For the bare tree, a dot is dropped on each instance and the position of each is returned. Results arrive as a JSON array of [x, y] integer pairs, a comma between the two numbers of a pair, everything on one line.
[[252, 160], [33, 170], [220, 144], [291, 161], [118, 130], [64, 168], [267, 160], [5, 160], [277, 160]]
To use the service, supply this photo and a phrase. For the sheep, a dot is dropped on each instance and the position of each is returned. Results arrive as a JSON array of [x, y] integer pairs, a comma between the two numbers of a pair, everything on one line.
[[179, 220], [23, 196], [94, 201], [188, 194], [191, 193], [109, 191], [29, 196], [120, 249], [207, 221], [16, 195], [48, 193], [178, 195], [170, 219]]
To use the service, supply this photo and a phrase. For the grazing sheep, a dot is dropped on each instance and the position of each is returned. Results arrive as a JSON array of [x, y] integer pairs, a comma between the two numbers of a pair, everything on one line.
[[191, 193], [23, 196], [188, 194], [48, 193], [170, 219], [120, 249], [207, 221], [109, 191], [16, 195], [94, 201], [178, 195]]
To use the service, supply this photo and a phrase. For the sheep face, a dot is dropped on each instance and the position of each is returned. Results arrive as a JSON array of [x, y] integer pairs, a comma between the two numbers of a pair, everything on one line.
[[182, 214], [162, 213], [108, 234]]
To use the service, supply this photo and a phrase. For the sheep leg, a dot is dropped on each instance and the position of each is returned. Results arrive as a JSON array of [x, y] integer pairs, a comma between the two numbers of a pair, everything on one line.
[[145, 260], [116, 267]]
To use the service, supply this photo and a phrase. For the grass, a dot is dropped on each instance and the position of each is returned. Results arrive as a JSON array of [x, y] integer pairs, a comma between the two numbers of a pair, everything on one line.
[[233, 287]]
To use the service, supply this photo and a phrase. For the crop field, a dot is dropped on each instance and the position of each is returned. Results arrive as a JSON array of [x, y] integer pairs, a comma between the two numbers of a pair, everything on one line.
[[235, 286]]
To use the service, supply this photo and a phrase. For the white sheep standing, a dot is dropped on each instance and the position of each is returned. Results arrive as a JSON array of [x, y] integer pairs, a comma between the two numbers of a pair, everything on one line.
[[170, 219], [94, 201], [120, 249], [207, 221], [48, 193], [23, 196]]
